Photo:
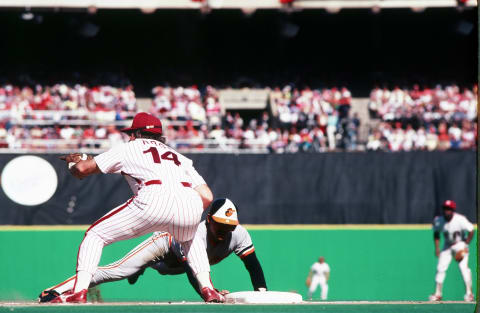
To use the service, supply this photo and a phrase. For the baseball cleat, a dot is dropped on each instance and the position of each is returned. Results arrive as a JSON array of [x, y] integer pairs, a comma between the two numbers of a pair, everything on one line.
[[435, 298], [469, 298], [133, 278], [210, 295], [70, 297], [47, 296]]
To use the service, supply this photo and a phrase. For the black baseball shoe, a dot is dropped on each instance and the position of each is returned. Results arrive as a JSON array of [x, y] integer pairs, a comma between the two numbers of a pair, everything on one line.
[[47, 296], [133, 278]]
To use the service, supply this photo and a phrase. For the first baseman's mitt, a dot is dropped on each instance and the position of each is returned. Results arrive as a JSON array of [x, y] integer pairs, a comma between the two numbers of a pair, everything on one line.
[[74, 158], [460, 254], [308, 282]]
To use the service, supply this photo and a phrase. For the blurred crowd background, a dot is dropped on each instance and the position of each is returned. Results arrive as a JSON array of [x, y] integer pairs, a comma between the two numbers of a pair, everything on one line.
[[292, 120], [230, 80]]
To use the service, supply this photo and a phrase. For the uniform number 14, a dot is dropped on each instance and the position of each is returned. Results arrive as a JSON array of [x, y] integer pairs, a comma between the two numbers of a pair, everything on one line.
[[169, 156]]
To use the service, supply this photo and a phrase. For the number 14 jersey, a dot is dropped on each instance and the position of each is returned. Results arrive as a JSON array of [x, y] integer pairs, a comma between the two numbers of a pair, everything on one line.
[[145, 160]]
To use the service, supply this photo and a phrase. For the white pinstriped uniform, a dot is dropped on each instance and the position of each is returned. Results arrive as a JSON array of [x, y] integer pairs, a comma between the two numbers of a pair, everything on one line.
[[319, 277], [453, 231], [163, 181], [156, 247], [161, 252]]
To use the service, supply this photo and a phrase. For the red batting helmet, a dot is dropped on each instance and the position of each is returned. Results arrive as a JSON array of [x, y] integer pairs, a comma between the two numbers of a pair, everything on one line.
[[449, 204], [146, 123]]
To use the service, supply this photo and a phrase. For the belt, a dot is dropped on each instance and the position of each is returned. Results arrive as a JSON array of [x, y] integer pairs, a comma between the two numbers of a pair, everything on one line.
[[159, 182], [153, 182]]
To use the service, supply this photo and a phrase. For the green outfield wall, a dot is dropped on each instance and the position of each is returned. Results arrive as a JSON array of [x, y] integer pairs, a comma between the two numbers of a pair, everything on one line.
[[367, 262]]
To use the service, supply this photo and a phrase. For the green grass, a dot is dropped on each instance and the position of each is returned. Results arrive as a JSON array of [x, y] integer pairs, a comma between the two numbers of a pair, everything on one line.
[[378, 264]]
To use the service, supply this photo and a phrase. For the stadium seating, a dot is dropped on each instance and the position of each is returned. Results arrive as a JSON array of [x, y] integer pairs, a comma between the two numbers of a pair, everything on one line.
[[65, 118], [423, 118]]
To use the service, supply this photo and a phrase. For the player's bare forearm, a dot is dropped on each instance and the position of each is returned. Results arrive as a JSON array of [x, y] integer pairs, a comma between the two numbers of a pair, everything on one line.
[[206, 194], [437, 246], [85, 168], [469, 237], [308, 281]]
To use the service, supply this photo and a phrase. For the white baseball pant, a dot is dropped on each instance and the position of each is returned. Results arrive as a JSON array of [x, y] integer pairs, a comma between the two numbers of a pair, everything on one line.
[[177, 210], [316, 281], [150, 249], [444, 261]]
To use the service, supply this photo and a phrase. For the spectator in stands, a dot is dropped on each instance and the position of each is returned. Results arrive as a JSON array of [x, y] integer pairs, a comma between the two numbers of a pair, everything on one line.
[[262, 135], [238, 120], [284, 114], [212, 106], [248, 134], [344, 103], [431, 140], [332, 123], [455, 134], [218, 134], [279, 144], [319, 141], [469, 134], [67, 132], [228, 122], [420, 139], [374, 142], [351, 126], [161, 102], [197, 111], [409, 138], [443, 137], [306, 140], [114, 135], [423, 109], [264, 120], [36, 133]]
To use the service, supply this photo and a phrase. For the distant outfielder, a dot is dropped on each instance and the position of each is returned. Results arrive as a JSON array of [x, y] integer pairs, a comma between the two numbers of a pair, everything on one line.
[[458, 232], [170, 196], [318, 275], [220, 235]]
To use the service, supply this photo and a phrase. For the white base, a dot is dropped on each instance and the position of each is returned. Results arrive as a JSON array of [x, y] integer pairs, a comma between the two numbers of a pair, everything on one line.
[[267, 297]]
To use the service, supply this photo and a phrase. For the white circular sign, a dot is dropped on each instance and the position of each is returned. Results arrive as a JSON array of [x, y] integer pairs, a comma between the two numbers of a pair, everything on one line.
[[29, 180]]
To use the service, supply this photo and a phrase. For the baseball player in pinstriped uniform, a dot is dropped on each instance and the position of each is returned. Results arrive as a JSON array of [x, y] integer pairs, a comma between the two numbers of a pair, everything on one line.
[[161, 252], [170, 196], [454, 227], [318, 275]]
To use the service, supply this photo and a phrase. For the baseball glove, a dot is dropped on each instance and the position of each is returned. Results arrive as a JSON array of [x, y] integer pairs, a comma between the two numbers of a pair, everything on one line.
[[308, 282], [75, 157], [460, 254]]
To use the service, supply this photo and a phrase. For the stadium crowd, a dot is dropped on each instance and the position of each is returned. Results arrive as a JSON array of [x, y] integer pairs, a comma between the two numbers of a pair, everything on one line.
[[423, 119], [60, 97], [41, 117], [306, 120]]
